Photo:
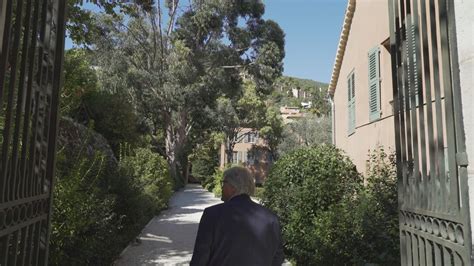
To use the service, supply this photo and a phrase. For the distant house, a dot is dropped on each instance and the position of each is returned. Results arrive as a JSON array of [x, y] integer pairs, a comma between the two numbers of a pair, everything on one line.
[[249, 151], [361, 83], [290, 113], [299, 93]]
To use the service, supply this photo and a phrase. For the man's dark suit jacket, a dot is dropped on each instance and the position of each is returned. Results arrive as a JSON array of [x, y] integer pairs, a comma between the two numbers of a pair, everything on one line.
[[238, 232]]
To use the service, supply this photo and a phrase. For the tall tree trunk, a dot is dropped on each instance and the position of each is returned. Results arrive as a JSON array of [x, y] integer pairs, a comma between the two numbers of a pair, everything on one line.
[[170, 143], [230, 149], [176, 136]]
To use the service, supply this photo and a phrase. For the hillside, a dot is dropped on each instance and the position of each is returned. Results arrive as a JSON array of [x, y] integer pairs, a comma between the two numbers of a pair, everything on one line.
[[291, 91], [305, 84]]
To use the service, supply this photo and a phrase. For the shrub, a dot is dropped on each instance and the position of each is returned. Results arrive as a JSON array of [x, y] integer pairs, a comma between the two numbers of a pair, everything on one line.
[[379, 210], [149, 172], [83, 215], [259, 191], [312, 191], [218, 177], [98, 208], [205, 159]]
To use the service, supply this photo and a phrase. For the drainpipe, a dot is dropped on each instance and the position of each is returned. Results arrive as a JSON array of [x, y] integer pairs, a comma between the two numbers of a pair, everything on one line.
[[333, 118]]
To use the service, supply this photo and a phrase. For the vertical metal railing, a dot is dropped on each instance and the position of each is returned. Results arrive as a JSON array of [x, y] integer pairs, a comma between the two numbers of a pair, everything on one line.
[[433, 193], [31, 54]]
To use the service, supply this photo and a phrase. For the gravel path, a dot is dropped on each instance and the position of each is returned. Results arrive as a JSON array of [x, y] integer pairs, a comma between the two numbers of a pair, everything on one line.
[[168, 239]]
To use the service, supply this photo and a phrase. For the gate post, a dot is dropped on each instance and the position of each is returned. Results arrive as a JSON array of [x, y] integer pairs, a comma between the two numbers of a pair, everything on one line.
[[462, 13]]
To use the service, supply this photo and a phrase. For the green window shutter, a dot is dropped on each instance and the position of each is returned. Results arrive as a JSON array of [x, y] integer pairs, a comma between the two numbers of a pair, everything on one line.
[[374, 84], [351, 104]]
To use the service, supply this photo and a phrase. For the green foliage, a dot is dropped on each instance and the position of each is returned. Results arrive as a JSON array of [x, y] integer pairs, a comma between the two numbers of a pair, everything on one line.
[[218, 177], [149, 171], [311, 190], [272, 131], [328, 217], [379, 208], [305, 132], [250, 107], [259, 192], [113, 116], [83, 215], [317, 91], [176, 69], [98, 208], [80, 79], [205, 158]]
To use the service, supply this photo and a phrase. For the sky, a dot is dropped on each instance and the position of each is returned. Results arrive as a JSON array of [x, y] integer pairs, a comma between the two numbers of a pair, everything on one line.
[[312, 29]]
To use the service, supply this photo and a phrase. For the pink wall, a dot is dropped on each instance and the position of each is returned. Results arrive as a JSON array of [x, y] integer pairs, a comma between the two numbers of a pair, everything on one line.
[[369, 29]]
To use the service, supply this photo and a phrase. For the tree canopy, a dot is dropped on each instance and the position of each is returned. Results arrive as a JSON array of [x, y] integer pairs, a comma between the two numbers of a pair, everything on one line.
[[175, 60]]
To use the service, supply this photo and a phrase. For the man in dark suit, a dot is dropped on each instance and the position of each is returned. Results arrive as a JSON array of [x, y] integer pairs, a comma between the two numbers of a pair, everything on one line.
[[239, 231]]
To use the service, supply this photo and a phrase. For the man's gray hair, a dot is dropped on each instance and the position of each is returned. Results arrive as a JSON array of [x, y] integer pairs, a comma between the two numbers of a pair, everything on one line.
[[241, 179]]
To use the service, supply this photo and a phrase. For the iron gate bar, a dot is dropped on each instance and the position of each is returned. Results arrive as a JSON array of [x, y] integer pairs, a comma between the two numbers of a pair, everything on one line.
[[20, 101], [426, 86], [440, 170], [54, 119], [4, 56], [26, 122], [395, 59], [421, 102], [9, 112]]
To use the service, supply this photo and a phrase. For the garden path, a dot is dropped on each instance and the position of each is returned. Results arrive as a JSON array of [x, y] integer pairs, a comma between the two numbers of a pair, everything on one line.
[[168, 239]]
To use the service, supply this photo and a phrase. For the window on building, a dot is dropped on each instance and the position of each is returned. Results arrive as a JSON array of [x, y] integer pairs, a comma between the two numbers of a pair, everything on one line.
[[351, 103], [239, 157], [374, 84], [234, 157], [252, 137]]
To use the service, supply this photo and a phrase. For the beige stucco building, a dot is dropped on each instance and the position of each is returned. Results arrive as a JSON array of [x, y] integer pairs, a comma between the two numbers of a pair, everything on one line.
[[249, 151], [362, 103]]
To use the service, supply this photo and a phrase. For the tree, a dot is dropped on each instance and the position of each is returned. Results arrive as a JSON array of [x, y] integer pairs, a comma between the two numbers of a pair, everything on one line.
[[305, 132], [235, 115], [272, 131], [313, 191], [80, 79], [175, 71]]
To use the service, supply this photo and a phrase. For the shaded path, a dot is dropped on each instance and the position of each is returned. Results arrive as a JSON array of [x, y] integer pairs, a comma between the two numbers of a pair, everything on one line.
[[168, 239]]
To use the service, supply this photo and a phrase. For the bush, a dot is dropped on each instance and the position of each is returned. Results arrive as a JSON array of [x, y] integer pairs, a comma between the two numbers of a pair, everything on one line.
[[83, 215], [328, 217], [379, 210], [205, 159], [259, 192], [98, 208], [217, 178], [312, 191], [149, 172]]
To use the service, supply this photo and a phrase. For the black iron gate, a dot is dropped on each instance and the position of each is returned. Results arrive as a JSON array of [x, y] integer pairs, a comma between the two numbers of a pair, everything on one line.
[[31, 54], [431, 158]]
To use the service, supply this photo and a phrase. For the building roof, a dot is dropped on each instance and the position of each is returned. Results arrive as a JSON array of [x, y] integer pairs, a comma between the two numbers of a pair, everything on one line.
[[351, 5]]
